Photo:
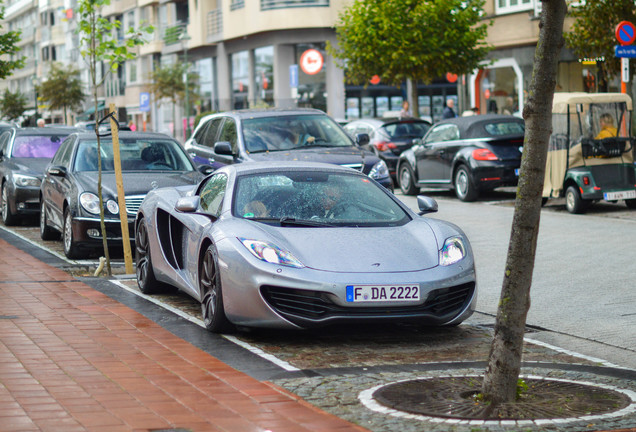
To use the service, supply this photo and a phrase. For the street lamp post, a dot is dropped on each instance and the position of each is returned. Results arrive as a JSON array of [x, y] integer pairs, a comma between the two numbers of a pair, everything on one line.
[[34, 81], [185, 38]]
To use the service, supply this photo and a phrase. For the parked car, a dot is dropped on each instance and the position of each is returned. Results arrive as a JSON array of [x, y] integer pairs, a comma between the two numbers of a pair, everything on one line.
[[278, 135], [591, 151], [68, 198], [24, 154], [277, 244], [468, 154], [103, 128], [389, 137]]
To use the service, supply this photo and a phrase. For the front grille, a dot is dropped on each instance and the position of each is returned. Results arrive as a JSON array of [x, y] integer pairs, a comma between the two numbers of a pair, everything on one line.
[[133, 202], [315, 305]]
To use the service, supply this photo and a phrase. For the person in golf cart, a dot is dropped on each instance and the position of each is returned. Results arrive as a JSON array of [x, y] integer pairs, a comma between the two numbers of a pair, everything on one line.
[[591, 150]]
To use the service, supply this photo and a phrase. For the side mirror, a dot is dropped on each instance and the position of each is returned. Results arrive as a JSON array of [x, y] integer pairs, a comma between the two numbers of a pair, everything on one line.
[[426, 204], [187, 204], [58, 171], [362, 139], [223, 148], [416, 141]]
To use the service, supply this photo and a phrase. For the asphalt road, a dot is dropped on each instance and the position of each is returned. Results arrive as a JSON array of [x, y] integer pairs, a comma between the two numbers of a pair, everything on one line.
[[584, 281]]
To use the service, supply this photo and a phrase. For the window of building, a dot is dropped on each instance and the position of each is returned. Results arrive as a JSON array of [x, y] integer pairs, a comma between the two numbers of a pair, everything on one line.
[[130, 20], [264, 76], [237, 4], [281, 4], [508, 6], [240, 79], [132, 70]]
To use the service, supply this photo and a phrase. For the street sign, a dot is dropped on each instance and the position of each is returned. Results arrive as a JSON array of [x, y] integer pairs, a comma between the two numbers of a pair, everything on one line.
[[311, 61], [625, 51], [144, 101], [293, 76], [625, 69], [625, 33]]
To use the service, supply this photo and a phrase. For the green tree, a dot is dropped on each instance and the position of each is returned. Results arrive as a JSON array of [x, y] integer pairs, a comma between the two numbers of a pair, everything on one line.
[[12, 104], [167, 84], [593, 33], [504, 361], [62, 88], [100, 43], [429, 39], [8, 47]]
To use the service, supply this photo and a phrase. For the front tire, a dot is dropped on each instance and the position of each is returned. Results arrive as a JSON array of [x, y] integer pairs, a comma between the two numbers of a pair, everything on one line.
[[71, 250], [146, 280], [211, 294], [573, 201], [406, 179], [8, 217], [46, 232], [464, 187]]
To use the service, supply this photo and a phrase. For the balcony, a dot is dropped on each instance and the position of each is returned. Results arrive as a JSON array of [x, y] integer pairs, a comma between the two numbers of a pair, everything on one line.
[[283, 4]]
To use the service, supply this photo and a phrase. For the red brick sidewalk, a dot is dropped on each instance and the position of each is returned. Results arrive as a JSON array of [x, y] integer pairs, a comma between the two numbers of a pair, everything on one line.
[[72, 359]]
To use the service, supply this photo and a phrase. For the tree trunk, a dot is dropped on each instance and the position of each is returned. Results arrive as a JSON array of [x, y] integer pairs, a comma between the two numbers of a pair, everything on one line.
[[415, 104], [504, 362]]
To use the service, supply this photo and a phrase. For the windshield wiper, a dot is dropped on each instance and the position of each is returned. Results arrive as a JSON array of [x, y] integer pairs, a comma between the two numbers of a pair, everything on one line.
[[289, 221]]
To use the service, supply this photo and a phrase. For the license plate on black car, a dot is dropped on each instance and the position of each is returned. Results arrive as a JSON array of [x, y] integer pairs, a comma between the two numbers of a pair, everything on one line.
[[383, 293]]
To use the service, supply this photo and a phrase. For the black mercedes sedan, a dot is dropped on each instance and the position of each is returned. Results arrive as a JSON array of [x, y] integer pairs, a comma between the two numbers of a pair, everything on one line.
[[24, 154], [468, 154], [69, 198], [270, 135]]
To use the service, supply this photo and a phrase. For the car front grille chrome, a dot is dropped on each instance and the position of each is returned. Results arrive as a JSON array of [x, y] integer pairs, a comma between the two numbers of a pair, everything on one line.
[[133, 202]]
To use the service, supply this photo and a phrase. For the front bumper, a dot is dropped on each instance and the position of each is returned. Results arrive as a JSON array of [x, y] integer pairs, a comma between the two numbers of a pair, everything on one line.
[[26, 201], [88, 234], [488, 177]]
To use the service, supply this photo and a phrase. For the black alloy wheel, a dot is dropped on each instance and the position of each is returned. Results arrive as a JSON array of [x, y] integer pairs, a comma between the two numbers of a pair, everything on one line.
[[211, 294], [464, 187], [8, 217], [71, 250], [46, 232], [146, 280], [406, 179], [573, 201]]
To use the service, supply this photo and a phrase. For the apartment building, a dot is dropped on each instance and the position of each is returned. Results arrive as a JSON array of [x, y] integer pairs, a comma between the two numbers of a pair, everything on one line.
[[256, 53]]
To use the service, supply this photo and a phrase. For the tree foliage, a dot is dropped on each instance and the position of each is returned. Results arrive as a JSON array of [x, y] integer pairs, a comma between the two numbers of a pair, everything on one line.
[[62, 88], [167, 84], [8, 47], [100, 43], [420, 40], [504, 361], [12, 104], [593, 33]]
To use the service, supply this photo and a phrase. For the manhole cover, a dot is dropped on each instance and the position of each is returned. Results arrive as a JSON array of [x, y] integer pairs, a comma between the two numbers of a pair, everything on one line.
[[454, 397]]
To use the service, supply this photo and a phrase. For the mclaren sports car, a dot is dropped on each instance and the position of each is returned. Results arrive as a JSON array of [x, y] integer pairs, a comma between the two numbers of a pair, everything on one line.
[[295, 245]]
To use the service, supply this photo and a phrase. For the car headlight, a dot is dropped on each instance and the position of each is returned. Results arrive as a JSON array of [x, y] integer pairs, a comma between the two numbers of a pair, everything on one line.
[[270, 253], [25, 180], [379, 170], [89, 202], [453, 251], [112, 206]]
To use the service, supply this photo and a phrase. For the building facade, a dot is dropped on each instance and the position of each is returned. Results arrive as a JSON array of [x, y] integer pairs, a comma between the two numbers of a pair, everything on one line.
[[258, 53]]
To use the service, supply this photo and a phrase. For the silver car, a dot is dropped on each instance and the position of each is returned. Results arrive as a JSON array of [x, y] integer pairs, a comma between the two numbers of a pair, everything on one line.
[[300, 245]]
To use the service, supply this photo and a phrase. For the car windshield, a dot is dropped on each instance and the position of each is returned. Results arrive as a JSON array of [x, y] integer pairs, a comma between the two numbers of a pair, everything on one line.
[[36, 146], [315, 199], [504, 128], [136, 155], [277, 133], [406, 130]]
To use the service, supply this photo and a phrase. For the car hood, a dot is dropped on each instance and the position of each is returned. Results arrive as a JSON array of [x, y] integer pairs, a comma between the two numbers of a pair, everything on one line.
[[411, 247], [345, 156], [31, 166], [136, 183]]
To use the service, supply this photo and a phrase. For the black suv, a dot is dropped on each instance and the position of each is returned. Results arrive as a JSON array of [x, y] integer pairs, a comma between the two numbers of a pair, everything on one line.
[[277, 134]]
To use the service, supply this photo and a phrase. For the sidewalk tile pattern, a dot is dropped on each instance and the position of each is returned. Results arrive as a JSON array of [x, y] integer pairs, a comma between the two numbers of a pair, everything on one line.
[[72, 359]]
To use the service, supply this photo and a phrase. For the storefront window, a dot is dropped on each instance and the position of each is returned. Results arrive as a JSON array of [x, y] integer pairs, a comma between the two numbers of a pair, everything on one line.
[[383, 105], [312, 88], [353, 109], [396, 103], [205, 70], [367, 107], [499, 89], [264, 76], [424, 108], [240, 79]]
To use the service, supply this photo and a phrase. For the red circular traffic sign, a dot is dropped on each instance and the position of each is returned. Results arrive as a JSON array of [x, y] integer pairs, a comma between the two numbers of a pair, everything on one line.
[[311, 61], [375, 79], [625, 33]]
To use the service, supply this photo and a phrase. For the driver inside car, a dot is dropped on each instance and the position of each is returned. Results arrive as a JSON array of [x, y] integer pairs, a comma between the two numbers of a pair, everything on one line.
[[608, 130]]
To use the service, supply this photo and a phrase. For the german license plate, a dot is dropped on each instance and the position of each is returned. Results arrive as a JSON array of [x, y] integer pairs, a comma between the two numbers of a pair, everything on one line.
[[618, 195], [383, 293]]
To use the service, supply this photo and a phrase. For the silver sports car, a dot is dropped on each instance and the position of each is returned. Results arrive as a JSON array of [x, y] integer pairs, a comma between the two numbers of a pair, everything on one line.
[[299, 245]]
